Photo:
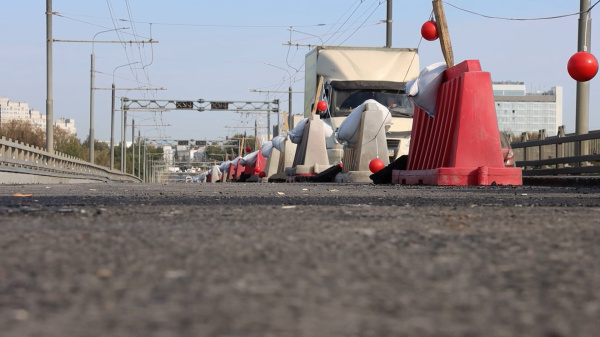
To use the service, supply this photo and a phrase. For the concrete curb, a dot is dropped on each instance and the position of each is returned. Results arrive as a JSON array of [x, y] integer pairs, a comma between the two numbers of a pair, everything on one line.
[[562, 181]]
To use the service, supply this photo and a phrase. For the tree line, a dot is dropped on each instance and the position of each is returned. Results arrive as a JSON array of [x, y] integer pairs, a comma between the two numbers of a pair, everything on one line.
[[64, 142]]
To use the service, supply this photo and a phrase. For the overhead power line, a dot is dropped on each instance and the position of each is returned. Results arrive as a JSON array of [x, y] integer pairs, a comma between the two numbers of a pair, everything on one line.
[[518, 19]]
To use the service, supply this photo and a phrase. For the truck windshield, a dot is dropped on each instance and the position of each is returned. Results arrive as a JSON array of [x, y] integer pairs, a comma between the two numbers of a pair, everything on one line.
[[347, 100]]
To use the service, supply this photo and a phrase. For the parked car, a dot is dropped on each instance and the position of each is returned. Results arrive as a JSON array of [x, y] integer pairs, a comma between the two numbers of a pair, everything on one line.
[[507, 152]]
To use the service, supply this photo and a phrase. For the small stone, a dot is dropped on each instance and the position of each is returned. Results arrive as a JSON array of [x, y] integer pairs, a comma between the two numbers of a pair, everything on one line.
[[103, 273]]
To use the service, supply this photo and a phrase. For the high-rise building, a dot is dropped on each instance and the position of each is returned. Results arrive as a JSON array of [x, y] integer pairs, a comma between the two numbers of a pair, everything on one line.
[[520, 111], [10, 110], [67, 124]]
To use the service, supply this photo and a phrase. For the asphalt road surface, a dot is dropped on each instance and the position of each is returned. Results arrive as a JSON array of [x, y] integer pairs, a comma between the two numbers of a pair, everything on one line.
[[298, 259]]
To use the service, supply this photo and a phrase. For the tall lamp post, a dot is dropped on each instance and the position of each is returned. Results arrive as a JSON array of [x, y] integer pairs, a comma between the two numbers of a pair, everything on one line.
[[112, 123], [289, 93], [92, 76], [49, 87], [583, 88]]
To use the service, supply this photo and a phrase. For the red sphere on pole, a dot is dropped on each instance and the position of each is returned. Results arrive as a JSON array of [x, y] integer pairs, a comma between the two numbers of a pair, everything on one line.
[[429, 31], [322, 106], [582, 66], [375, 165], [248, 149], [257, 169]]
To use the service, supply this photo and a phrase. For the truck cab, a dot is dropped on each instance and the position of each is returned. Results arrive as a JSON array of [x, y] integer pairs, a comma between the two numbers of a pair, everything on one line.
[[352, 75]]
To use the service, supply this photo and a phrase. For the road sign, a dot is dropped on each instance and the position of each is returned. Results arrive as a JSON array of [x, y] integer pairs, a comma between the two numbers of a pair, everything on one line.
[[184, 105]]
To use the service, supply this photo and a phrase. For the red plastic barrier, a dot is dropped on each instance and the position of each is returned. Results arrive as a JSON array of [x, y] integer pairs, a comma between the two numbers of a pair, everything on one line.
[[235, 171], [231, 173], [239, 169], [460, 145], [260, 162]]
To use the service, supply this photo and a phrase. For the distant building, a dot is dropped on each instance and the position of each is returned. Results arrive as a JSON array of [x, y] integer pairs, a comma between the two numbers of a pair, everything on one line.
[[10, 110], [67, 124], [169, 155], [518, 111]]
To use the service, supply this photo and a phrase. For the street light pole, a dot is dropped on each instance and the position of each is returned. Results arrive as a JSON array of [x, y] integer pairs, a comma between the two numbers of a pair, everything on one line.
[[388, 36], [112, 129], [289, 93], [132, 146], [92, 77], [112, 122], [123, 139], [144, 161], [290, 108], [583, 88], [139, 157], [49, 87]]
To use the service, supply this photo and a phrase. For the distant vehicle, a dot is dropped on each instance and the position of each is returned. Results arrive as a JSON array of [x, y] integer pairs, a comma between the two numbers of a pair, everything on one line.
[[507, 152], [352, 75]]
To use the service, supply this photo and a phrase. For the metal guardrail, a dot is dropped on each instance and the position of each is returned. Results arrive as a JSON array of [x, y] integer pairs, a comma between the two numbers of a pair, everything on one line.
[[558, 155], [22, 159]]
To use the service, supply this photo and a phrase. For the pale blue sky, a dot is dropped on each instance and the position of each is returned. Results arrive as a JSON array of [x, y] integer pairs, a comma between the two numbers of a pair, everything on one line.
[[216, 50]]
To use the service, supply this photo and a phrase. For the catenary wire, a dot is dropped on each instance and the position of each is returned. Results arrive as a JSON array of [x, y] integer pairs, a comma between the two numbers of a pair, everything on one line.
[[519, 19]]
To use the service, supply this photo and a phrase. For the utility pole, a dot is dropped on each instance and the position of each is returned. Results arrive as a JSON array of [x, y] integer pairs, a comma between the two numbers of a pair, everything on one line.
[[112, 129], [49, 98], [255, 133], [49, 79], [388, 43], [289, 92], [583, 88], [132, 146], [92, 77], [269, 120], [91, 144], [123, 140], [139, 152], [112, 115], [49, 104], [145, 161], [290, 108]]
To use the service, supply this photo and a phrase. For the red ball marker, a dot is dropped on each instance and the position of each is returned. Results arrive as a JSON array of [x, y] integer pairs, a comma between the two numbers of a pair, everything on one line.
[[582, 66], [429, 31]]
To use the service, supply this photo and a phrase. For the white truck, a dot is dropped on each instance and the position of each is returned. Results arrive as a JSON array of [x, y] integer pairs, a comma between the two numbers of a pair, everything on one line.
[[351, 75]]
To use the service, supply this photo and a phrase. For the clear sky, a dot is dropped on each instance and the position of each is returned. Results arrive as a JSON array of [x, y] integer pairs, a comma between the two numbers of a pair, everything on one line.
[[220, 50]]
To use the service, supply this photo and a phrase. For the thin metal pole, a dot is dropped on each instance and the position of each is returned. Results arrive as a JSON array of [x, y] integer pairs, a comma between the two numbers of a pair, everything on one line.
[[123, 121], [139, 157], [583, 88], [144, 161], [91, 144], [388, 39], [290, 108], [268, 119], [132, 146], [92, 80], [278, 125], [112, 130], [49, 89], [123, 140]]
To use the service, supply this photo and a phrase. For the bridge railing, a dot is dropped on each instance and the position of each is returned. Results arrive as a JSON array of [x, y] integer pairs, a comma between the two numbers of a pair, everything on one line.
[[22, 159], [558, 155]]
